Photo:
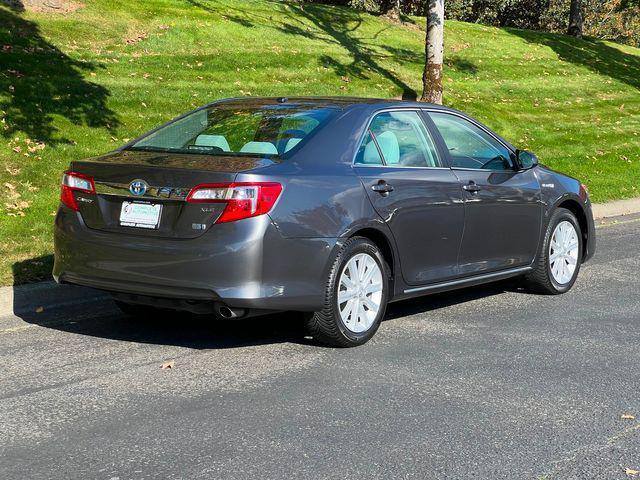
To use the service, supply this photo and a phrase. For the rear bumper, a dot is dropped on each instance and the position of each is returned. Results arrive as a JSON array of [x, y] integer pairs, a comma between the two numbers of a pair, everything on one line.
[[244, 264]]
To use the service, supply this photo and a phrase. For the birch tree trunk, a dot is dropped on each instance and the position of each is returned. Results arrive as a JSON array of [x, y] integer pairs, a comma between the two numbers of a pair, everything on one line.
[[575, 19], [434, 51]]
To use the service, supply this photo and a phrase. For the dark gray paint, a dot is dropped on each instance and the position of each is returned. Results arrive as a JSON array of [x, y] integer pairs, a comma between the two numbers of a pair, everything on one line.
[[502, 220], [426, 216], [439, 235]]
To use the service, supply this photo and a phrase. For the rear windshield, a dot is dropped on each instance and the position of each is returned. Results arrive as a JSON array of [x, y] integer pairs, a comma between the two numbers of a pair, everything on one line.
[[238, 130]]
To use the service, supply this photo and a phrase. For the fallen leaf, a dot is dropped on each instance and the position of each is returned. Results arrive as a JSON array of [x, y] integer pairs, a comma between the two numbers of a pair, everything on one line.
[[39, 309], [631, 471], [627, 416], [169, 364]]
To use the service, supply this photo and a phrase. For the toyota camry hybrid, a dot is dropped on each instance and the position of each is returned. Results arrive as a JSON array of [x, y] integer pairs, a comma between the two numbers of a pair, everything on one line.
[[329, 206]]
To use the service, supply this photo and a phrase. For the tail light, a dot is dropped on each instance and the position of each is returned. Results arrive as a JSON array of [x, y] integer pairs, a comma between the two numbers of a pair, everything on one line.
[[74, 181], [243, 200]]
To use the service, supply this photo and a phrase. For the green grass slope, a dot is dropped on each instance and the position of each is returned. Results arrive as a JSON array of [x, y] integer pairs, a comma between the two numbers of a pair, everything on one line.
[[81, 84]]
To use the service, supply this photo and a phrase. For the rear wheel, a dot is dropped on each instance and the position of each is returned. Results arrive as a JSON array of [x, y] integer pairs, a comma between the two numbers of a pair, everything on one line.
[[560, 255], [355, 298]]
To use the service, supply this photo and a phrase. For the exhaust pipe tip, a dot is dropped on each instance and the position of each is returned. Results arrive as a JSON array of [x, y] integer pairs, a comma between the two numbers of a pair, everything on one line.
[[228, 312]]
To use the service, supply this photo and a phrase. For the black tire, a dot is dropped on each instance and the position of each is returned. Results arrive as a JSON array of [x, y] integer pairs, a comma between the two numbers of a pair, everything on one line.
[[541, 279], [137, 310], [326, 326]]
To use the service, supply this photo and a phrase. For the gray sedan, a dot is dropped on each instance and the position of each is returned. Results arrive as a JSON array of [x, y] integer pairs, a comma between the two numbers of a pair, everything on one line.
[[328, 206]]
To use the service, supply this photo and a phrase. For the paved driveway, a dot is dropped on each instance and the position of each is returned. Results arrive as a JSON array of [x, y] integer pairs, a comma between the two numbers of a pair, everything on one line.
[[487, 382]]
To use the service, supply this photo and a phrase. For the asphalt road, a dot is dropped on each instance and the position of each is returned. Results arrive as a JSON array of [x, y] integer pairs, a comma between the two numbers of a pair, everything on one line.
[[487, 382]]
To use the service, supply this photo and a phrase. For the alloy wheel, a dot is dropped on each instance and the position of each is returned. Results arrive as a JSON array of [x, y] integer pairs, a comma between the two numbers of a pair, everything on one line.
[[563, 252], [360, 292]]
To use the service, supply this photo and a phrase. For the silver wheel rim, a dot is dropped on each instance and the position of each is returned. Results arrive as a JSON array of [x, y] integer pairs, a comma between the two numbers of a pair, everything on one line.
[[360, 292], [563, 252]]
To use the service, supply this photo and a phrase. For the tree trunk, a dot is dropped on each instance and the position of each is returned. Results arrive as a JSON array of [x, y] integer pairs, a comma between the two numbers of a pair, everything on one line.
[[434, 51], [575, 19]]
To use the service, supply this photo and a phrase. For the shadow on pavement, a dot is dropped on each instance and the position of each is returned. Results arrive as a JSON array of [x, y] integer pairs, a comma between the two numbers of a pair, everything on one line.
[[435, 302], [96, 315]]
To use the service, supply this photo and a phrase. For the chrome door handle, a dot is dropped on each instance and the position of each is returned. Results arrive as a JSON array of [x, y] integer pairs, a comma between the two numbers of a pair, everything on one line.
[[471, 187], [382, 187]]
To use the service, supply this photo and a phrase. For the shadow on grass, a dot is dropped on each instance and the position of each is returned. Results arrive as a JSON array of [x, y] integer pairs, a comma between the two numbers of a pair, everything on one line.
[[461, 65], [38, 82], [339, 26], [333, 25], [593, 54], [33, 270]]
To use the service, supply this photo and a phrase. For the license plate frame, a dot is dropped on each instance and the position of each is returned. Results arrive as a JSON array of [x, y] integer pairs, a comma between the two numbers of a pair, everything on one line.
[[140, 215]]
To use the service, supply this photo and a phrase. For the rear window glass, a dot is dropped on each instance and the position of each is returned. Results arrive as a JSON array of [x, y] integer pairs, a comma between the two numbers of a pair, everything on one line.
[[238, 130]]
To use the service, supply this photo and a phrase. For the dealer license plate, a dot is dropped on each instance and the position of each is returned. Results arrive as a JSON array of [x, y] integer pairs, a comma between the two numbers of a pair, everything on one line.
[[140, 215]]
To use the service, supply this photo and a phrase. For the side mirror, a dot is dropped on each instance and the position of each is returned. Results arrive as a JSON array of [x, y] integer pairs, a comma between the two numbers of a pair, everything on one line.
[[526, 159]]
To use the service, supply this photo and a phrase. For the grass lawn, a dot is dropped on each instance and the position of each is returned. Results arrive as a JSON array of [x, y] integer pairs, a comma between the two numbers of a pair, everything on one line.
[[81, 84]]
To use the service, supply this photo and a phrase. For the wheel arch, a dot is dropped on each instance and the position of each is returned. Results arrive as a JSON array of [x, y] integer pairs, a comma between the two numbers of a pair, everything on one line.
[[576, 208], [383, 242]]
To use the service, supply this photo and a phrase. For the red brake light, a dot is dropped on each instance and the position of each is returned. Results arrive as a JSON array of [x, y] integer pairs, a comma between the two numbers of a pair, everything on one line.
[[243, 200], [74, 181]]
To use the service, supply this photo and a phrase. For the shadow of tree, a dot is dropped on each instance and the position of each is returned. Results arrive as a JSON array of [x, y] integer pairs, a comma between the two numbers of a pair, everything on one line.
[[339, 26], [333, 25], [461, 65], [39, 82], [237, 15], [596, 55]]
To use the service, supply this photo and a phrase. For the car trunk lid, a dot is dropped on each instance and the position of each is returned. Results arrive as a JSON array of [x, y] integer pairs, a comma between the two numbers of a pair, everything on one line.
[[135, 189]]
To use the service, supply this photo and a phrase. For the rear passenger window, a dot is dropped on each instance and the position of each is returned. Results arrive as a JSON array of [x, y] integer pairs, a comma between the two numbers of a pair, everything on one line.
[[368, 154], [398, 139]]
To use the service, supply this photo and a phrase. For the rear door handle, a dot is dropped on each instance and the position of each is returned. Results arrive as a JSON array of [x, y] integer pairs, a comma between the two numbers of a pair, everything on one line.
[[471, 187], [382, 188]]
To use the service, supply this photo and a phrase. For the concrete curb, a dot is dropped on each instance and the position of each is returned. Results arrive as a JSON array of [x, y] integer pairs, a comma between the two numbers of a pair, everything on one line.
[[29, 298], [616, 208]]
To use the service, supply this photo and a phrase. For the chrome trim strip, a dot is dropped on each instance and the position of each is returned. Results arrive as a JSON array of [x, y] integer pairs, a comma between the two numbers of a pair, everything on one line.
[[468, 169], [462, 281], [398, 167], [122, 190]]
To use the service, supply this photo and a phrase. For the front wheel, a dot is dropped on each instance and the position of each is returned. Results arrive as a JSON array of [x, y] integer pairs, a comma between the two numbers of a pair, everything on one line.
[[356, 296], [560, 255]]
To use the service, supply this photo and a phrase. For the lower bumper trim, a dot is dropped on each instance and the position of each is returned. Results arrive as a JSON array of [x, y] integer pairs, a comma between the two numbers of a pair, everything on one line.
[[152, 290]]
